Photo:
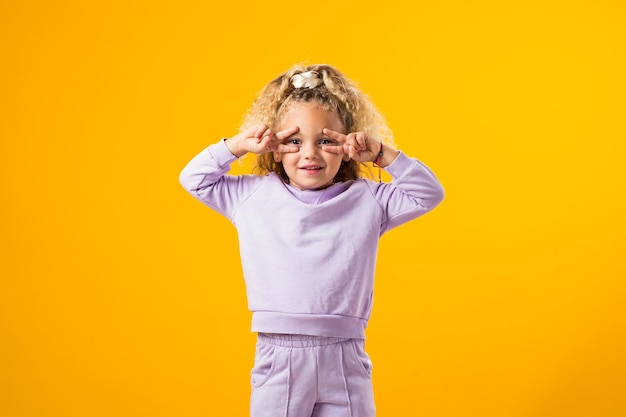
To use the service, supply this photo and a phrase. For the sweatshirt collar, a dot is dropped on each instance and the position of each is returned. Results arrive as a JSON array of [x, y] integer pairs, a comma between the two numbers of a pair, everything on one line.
[[316, 197]]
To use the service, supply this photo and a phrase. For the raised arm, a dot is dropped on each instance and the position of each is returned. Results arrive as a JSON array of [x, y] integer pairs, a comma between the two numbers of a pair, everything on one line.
[[205, 177], [414, 189]]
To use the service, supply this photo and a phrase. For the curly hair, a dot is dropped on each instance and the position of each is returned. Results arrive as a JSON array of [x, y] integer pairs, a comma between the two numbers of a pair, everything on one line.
[[334, 92]]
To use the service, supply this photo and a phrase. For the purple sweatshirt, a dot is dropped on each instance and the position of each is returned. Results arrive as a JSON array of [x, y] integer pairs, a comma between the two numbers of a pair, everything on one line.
[[308, 257]]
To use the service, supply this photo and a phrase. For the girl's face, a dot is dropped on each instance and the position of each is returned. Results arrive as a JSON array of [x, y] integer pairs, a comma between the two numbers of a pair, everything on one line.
[[310, 168]]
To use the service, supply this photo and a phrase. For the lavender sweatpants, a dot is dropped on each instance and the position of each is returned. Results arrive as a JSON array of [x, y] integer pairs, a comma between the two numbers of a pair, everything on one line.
[[311, 376]]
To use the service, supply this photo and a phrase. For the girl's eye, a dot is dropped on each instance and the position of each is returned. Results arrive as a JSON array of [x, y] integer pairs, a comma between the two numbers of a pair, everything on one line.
[[293, 141], [326, 142]]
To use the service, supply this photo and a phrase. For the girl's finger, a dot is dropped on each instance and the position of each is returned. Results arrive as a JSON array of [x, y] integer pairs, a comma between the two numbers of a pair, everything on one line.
[[352, 152], [286, 148], [334, 135], [361, 140], [337, 149], [264, 144], [260, 131], [284, 134], [353, 140]]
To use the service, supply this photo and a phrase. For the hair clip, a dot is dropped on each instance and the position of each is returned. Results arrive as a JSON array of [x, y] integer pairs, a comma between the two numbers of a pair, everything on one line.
[[309, 79]]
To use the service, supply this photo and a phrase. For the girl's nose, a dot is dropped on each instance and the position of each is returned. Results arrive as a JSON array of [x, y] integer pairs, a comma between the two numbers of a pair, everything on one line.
[[309, 150]]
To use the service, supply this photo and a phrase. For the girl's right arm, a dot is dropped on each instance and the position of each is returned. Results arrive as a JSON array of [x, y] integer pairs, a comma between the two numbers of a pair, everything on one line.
[[205, 177]]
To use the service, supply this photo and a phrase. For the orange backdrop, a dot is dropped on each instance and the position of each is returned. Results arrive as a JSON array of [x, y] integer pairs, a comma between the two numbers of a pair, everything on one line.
[[121, 295]]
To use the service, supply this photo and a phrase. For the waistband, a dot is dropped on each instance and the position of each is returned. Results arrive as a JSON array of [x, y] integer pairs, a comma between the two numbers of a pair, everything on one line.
[[328, 325], [298, 340]]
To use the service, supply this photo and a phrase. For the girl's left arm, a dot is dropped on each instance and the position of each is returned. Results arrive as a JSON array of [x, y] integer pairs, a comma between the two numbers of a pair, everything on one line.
[[413, 191]]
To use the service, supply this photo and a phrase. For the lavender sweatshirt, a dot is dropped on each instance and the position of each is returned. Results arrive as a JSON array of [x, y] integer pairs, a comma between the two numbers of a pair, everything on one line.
[[308, 257]]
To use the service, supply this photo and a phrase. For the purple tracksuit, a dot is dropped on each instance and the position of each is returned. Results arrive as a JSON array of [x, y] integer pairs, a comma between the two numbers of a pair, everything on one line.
[[309, 256]]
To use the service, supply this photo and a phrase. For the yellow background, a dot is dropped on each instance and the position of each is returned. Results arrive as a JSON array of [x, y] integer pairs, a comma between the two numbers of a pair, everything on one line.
[[121, 295]]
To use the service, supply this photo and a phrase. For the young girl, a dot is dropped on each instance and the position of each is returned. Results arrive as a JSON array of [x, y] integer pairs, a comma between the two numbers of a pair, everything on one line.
[[308, 229]]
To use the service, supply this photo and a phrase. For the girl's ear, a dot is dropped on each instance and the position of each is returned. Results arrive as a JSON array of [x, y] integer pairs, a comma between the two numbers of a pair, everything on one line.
[[278, 156]]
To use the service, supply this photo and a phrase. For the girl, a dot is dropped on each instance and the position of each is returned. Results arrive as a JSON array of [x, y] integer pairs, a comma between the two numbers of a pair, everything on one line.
[[308, 229]]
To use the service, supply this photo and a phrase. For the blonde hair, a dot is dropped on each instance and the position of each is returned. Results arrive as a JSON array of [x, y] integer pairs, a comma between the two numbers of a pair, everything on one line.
[[333, 92]]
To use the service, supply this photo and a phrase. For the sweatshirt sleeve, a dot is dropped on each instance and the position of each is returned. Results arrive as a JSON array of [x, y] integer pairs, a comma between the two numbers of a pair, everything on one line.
[[413, 191], [205, 178]]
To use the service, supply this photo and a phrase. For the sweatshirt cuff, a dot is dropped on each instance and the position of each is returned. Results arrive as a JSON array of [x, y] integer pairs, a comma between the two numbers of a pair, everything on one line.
[[399, 165], [221, 154], [403, 165]]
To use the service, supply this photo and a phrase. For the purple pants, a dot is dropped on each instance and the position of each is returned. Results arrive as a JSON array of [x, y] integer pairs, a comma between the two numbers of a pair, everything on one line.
[[311, 376]]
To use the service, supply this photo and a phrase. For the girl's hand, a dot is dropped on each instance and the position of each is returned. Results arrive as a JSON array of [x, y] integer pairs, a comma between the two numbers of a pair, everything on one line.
[[358, 146], [260, 139]]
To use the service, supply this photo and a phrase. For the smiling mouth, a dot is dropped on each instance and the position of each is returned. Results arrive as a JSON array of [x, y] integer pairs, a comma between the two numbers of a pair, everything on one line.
[[311, 168]]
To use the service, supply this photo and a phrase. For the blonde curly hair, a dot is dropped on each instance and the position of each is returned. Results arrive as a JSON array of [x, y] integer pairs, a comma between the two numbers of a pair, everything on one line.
[[333, 92]]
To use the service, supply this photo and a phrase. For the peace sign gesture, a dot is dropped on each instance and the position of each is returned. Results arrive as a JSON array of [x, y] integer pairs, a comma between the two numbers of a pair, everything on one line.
[[260, 139], [358, 146]]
